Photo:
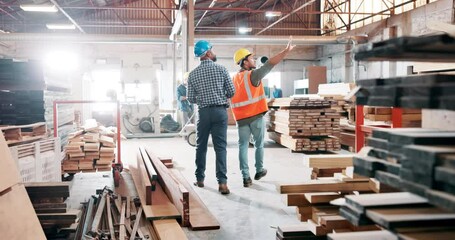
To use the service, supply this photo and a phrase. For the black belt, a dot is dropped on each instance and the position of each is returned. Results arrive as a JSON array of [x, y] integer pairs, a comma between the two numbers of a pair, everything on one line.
[[215, 106]]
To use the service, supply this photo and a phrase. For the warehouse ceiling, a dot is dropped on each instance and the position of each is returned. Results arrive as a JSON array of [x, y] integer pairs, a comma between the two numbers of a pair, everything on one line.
[[156, 17], [211, 17]]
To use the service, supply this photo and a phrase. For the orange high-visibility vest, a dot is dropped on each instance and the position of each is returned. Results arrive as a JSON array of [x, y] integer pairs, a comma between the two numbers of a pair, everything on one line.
[[248, 99]]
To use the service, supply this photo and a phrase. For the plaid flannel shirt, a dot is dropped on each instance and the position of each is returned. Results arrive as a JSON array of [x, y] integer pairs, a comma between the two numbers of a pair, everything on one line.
[[209, 84]]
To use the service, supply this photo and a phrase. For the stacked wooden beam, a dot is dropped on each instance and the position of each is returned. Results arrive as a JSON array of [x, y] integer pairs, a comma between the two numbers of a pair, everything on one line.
[[434, 91], [24, 133], [165, 194], [327, 165], [421, 161], [48, 200], [347, 136], [89, 149], [312, 200], [304, 124], [306, 144], [404, 214], [410, 117]]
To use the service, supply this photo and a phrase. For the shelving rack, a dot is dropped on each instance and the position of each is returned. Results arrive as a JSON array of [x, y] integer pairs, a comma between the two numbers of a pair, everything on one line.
[[409, 159]]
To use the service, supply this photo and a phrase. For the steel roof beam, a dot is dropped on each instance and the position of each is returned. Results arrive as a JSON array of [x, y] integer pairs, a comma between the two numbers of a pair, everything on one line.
[[67, 15]]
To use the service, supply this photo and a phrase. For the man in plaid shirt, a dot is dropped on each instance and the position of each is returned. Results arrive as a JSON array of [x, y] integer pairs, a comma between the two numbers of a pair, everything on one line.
[[210, 87]]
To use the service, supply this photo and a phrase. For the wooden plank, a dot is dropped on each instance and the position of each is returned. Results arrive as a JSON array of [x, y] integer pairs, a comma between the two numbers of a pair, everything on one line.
[[322, 197], [297, 230], [122, 229], [439, 234], [99, 213], [325, 210], [12, 221], [9, 175], [153, 176], [162, 208], [392, 218], [382, 234], [295, 199], [323, 186], [334, 222], [109, 218], [364, 201], [200, 216], [168, 229], [327, 161], [317, 229], [136, 224], [145, 179], [176, 191]]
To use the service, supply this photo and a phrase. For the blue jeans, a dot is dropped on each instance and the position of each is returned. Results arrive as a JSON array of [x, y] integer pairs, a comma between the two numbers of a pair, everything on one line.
[[257, 129], [211, 120]]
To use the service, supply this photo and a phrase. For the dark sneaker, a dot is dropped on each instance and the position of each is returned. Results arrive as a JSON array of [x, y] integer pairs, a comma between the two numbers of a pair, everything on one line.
[[247, 182], [223, 189], [260, 175], [199, 183]]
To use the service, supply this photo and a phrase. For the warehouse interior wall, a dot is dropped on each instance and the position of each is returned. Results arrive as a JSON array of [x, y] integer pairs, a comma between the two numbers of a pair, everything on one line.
[[411, 23]]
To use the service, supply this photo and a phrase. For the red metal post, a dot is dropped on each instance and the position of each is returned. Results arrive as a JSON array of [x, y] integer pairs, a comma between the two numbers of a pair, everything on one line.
[[397, 117], [55, 117], [119, 156], [359, 121]]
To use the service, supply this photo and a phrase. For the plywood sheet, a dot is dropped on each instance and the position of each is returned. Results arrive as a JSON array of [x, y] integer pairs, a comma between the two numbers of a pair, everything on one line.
[[16, 224], [168, 229], [9, 175]]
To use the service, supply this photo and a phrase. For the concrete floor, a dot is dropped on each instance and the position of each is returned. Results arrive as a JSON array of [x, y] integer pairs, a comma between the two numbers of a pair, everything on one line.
[[246, 213]]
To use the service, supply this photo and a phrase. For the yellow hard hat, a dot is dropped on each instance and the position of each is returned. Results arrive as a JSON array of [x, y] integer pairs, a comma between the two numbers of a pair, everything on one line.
[[240, 54]]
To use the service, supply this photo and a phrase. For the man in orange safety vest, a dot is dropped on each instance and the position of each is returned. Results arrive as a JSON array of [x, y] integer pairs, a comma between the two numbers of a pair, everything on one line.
[[249, 105]]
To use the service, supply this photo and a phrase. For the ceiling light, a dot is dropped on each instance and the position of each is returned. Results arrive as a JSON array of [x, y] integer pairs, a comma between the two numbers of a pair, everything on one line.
[[38, 8], [271, 14], [245, 29], [60, 26]]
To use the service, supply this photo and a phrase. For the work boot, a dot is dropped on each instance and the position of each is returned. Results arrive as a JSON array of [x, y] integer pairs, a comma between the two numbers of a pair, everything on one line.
[[260, 175], [199, 183], [223, 189], [247, 182]]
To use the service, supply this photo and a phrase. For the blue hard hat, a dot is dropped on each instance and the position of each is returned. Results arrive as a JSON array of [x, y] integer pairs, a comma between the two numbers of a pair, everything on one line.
[[201, 47]]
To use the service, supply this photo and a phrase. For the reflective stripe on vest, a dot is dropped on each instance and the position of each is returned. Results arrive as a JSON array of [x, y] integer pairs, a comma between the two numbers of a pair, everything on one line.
[[248, 93]]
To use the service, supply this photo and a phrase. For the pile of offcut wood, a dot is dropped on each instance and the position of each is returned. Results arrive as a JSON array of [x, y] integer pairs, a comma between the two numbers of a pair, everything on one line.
[[89, 149], [331, 180], [48, 199], [304, 124]]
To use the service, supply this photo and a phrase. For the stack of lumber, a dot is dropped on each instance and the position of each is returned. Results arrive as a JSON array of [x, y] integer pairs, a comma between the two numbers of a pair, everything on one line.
[[421, 161], [89, 149], [16, 210], [312, 200], [306, 144], [21, 107], [404, 216], [333, 179], [347, 135], [24, 133], [326, 165], [336, 94], [433, 91], [48, 200], [165, 194], [304, 124], [410, 117]]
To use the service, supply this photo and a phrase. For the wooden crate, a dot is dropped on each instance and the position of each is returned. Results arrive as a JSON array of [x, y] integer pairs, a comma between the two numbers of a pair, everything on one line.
[[38, 161]]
